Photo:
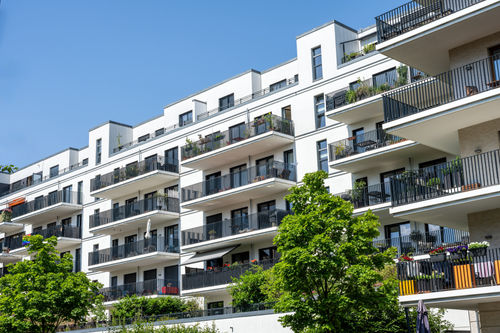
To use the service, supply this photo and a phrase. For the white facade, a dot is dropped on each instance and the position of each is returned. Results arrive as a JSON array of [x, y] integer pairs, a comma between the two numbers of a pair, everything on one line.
[[206, 213]]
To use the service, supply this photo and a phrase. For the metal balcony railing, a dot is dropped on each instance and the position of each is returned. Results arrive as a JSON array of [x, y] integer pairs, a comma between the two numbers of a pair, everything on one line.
[[137, 208], [415, 14], [237, 134], [361, 143], [53, 198], [12, 242], [459, 175], [143, 246], [456, 84], [472, 269], [142, 288], [418, 243], [234, 226], [368, 195], [220, 275], [237, 179], [130, 171], [258, 94], [68, 231]]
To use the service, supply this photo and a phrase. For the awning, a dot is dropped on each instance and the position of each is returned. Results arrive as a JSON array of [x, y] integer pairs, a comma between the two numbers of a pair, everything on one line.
[[16, 202], [203, 256]]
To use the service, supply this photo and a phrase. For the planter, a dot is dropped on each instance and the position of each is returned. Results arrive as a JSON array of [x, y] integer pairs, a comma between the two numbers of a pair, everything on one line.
[[438, 257], [478, 252], [458, 255]]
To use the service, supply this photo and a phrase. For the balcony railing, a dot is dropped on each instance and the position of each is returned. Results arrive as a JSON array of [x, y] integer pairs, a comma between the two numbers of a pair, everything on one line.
[[237, 179], [53, 198], [416, 14], [258, 94], [134, 209], [3, 271], [220, 275], [12, 242], [362, 143], [131, 171], [470, 270], [68, 231], [237, 134], [459, 175], [456, 84], [368, 195], [143, 246], [35, 180], [234, 226], [143, 288], [418, 243]]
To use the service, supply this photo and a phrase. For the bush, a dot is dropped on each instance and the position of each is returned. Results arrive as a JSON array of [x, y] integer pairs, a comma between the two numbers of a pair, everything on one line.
[[254, 287], [149, 328], [132, 307]]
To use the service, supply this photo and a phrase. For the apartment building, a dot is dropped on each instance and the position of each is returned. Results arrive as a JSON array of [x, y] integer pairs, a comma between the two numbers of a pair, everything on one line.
[[402, 115]]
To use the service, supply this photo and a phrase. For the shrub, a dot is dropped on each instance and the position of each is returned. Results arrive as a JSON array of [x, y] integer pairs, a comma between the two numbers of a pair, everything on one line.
[[141, 327]]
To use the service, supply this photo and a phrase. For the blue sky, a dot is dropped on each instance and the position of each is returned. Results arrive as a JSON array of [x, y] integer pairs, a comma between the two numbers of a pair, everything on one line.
[[66, 66]]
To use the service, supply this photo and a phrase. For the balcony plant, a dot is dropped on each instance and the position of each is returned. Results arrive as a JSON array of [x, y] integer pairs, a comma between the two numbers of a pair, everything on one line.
[[434, 182], [405, 258], [6, 215], [478, 248], [369, 48], [458, 252], [211, 234], [416, 236], [402, 75], [423, 283], [437, 254], [358, 191]]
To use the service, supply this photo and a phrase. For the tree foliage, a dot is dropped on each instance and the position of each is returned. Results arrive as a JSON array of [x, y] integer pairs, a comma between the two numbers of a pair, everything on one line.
[[9, 168], [39, 294], [149, 328], [253, 287], [329, 266], [135, 307]]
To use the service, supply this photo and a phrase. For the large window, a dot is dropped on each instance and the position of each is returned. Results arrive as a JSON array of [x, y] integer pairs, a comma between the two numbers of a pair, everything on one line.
[[277, 85], [172, 157], [239, 176], [322, 155], [98, 151], [186, 118], [54, 171], [317, 66], [226, 102], [319, 110], [388, 77], [67, 192], [495, 64], [237, 132]]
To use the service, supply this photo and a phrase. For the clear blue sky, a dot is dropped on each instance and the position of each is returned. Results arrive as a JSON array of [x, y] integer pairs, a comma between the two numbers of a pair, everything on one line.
[[66, 66]]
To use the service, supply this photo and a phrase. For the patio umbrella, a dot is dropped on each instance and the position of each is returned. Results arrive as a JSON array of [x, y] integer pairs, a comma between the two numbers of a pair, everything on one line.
[[422, 318], [148, 230]]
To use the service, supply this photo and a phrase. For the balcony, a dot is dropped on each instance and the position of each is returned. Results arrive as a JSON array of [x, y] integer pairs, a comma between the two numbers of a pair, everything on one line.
[[67, 235], [136, 176], [409, 33], [14, 244], [455, 283], [432, 111], [156, 287], [445, 193], [254, 182], [132, 216], [372, 196], [258, 226], [223, 148], [219, 276], [144, 252], [420, 243], [11, 227], [287, 83], [360, 152], [47, 208]]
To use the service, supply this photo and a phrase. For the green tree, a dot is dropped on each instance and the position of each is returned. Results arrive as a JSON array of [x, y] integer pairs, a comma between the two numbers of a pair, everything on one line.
[[329, 267], [253, 287], [39, 294], [9, 168]]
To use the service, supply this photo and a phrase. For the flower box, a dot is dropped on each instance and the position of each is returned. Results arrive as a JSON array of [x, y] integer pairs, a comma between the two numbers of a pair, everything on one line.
[[478, 252]]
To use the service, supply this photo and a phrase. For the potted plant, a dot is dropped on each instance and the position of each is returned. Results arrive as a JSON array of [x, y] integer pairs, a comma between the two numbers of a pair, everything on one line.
[[437, 254], [6, 215], [478, 248], [458, 252], [189, 145], [434, 182], [369, 48], [416, 236], [211, 234], [405, 258], [359, 190]]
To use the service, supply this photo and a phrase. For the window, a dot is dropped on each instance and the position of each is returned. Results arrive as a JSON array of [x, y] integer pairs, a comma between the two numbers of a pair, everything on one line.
[[226, 102], [416, 74], [95, 247], [288, 157], [52, 198], [114, 281], [398, 235], [237, 133], [495, 64], [186, 118], [212, 183], [388, 78], [172, 238], [322, 155], [264, 166], [214, 226], [359, 139], [85, 161], [143, 138], [277, 85], [98, 151], [286, 112], [159, 132], [266, 212], [172, 159], [151, 162], [239, 176], [78, 260], [317, 67], [241, 258], [239, 220], [215, 308], [79, 198], [268, 253], [79, 224], [54, 171], [37, 177], [319, 110], [67, 192]]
